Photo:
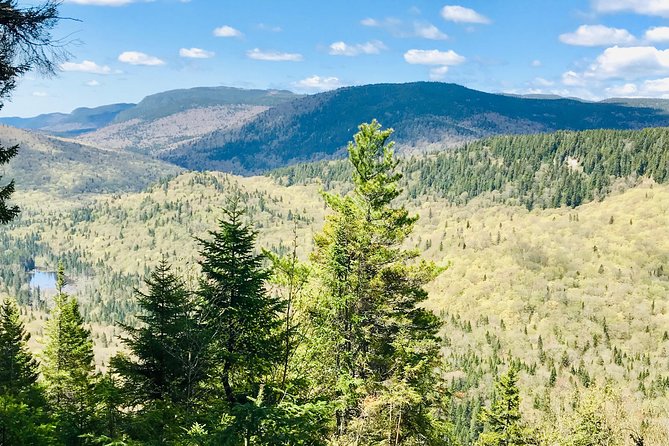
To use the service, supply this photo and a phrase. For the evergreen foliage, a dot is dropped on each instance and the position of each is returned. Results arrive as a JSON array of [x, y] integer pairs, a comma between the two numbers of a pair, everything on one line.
[[68, 367], [381, 348]]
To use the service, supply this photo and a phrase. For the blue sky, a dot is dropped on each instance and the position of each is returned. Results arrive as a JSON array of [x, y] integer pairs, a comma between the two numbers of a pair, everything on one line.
[[123, 50]]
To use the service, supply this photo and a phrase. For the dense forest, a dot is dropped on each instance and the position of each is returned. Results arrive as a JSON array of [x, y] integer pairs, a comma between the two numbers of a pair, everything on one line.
[[544, 170], [263, 348]]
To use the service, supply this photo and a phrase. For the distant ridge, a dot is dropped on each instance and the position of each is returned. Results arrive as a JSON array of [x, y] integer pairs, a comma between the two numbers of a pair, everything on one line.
[[319, 126]]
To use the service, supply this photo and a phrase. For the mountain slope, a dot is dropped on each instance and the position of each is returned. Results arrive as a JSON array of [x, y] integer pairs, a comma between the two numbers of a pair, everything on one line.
[[169, 102], [318, 126], [63, 168]]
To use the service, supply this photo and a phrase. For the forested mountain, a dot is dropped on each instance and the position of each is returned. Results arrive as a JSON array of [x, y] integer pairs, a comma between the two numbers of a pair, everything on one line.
[[312, 127], [56, 167]]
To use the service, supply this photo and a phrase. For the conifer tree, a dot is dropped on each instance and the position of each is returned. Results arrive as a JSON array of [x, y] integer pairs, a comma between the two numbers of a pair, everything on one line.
[[18, 368], [167, 363], [379, 344], [242, 318], [22, 416], [68, 366], [503, 421]]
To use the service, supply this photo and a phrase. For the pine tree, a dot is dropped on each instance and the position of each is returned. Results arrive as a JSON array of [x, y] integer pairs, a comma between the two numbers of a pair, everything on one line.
[[167, 363], [503, 421], [379, 344], [68, 366]]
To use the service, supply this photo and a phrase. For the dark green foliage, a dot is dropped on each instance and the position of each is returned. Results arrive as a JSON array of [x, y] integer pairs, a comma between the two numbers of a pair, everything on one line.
[[544, 170], [503, 421], [167, 360], [7, 211], [237, 308], [18, 368], [317, 126]]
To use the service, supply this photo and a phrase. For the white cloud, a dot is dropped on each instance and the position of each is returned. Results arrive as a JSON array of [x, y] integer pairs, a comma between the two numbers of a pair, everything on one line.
[[536, 63], [138, 58], [429, 31], [460, 14], [273, 56], [344, 49], [227, 31], [40, 94], [433, 57], [438, 73], [647, 7], [319, 83], [93, 83], [658, 34], [657, 88], [100, 2], [597, 35], [87, 66], [369, 22], [196, 53], [629, 62]]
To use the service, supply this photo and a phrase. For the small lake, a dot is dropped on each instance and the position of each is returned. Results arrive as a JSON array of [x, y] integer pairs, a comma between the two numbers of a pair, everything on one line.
[[44, 280]]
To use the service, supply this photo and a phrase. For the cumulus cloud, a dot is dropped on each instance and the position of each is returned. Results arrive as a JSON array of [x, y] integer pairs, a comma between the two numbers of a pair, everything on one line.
[[227, 31], [460, 14], [433, 57], [649, 88], [139, 58], [344, 49], [271, 28], [196, 53], [40, 94], [597, 35], [536, 63], [92, 83], [429, 31], [318, 83], [87, 66], [273, 56], [100, 2], [629, 62], [541, 82], [646, 7], [657, 34]]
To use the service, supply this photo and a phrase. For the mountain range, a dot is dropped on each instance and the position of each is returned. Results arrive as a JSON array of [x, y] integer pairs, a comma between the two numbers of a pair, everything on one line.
[[252, 131]]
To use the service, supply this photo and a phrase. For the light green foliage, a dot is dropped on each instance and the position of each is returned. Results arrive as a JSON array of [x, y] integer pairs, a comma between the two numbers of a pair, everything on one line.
[[380, 346], [68, 367]]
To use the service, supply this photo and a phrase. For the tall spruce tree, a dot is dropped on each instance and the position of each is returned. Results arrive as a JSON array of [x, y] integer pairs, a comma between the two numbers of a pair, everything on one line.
[[243, 319], [167, 361], [503, 421], [68, 367], [379, 345]]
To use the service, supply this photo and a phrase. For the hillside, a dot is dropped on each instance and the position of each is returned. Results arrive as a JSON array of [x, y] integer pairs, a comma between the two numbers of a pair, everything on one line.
[[60, 168], [590, 282], [317, 126]]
